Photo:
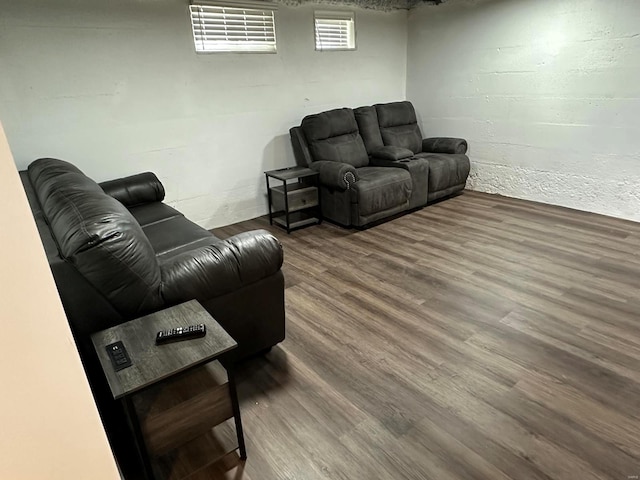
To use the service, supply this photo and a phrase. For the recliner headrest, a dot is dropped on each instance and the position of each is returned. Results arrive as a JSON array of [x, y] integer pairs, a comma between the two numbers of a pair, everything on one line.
[[332, 123], [395, 114]]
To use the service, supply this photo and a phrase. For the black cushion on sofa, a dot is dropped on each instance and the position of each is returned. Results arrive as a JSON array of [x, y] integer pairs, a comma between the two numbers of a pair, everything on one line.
[[133, 190], [399, 125], [184, 232], [333, 136], [98, 235], [154, 212]]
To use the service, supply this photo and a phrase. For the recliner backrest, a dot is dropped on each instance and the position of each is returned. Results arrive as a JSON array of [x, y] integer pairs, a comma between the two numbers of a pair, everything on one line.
[[399, 125], [334, 136]]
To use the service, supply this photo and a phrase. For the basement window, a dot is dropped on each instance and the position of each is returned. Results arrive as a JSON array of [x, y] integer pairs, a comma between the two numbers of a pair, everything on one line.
[[233, 27], [335, 30]]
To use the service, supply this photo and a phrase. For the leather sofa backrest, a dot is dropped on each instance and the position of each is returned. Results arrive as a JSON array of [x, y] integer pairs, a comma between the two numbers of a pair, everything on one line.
[[334, 136], [98, 236], [399, 125], [367, 119]]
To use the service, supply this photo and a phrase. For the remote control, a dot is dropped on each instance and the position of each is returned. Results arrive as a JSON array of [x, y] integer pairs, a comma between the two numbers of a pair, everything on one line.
[[181, 333], [118, 355]]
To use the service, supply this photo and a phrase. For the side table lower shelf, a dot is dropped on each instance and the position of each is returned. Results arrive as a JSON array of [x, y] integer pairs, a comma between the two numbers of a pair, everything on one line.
[[187, 421], [206, 451], [296, 220]]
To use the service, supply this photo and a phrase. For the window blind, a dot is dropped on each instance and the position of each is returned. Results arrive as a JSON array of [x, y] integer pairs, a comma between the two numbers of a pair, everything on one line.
[[223, 28], [335, 30]]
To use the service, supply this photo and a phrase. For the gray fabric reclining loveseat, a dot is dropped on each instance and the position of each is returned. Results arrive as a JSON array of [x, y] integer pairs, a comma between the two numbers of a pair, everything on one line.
[[374, 163]]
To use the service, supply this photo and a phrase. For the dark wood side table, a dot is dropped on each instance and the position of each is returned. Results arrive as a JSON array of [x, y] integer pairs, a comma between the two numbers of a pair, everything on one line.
[[294, 204], [175, 395]]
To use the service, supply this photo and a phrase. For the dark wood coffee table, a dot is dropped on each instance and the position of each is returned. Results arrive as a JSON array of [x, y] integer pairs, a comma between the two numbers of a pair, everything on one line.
[[174, 394]]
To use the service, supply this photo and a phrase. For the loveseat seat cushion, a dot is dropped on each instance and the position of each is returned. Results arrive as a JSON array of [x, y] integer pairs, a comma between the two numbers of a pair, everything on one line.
[[399, 125], [98, 236], [381, 188], [334, 136], [446, 170]]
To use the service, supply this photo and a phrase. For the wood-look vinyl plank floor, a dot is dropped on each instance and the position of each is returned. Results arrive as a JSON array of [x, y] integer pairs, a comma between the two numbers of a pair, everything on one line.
[[481, 337]]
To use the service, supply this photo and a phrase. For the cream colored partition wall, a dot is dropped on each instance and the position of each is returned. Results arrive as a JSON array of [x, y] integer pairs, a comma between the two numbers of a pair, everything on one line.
[[49, 425]]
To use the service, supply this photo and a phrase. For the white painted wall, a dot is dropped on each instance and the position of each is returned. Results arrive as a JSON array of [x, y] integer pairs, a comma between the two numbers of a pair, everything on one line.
[[546, 92], [116, 88]]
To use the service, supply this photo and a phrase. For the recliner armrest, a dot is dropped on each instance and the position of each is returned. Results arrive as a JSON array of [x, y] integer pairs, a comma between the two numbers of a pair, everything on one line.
[[135, 189], [392, 153], [222, 267], [444, 145], [405, 163], [335, 174]]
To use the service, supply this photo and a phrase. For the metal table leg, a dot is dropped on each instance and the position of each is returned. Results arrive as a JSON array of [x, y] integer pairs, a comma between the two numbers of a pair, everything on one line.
[[134, 425], [236, 412]]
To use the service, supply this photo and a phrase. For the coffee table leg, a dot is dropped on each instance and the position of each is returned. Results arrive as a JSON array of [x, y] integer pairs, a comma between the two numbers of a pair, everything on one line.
[[132, 417], [236, 412]]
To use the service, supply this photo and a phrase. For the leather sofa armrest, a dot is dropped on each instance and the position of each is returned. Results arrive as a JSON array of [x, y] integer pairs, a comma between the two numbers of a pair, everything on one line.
[[135, 189], [335, 174], [222, 267], [392, 153], [444, 145]]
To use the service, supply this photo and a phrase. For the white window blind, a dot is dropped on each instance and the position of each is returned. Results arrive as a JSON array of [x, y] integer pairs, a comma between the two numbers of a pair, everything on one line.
[[335, 30], [227, 27]]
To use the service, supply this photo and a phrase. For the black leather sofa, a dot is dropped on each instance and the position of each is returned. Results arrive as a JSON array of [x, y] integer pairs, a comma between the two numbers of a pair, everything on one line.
[[118, 252], [374, 163]]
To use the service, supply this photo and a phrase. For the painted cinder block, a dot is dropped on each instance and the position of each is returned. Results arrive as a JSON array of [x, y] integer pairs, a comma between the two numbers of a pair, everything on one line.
[[546, 93]]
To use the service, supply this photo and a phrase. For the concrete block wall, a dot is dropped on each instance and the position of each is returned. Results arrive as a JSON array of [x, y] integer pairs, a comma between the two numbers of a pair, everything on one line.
[[546, 92], [116, 88]]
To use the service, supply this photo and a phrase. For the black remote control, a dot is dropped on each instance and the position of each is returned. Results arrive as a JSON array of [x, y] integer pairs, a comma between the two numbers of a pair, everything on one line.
[[181, 333], [118, 355]]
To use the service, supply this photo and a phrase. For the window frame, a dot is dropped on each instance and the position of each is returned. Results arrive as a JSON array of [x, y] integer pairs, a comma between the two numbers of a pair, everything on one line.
[[230, 46], [335, 15]]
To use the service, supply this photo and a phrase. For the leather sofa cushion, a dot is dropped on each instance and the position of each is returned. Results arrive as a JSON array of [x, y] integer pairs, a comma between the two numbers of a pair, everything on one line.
[[399, 125], [135, 189], [381, 188], [334, 136], [367, 120], [183, 233], [446, 170], [97, 235], [150, 213]]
